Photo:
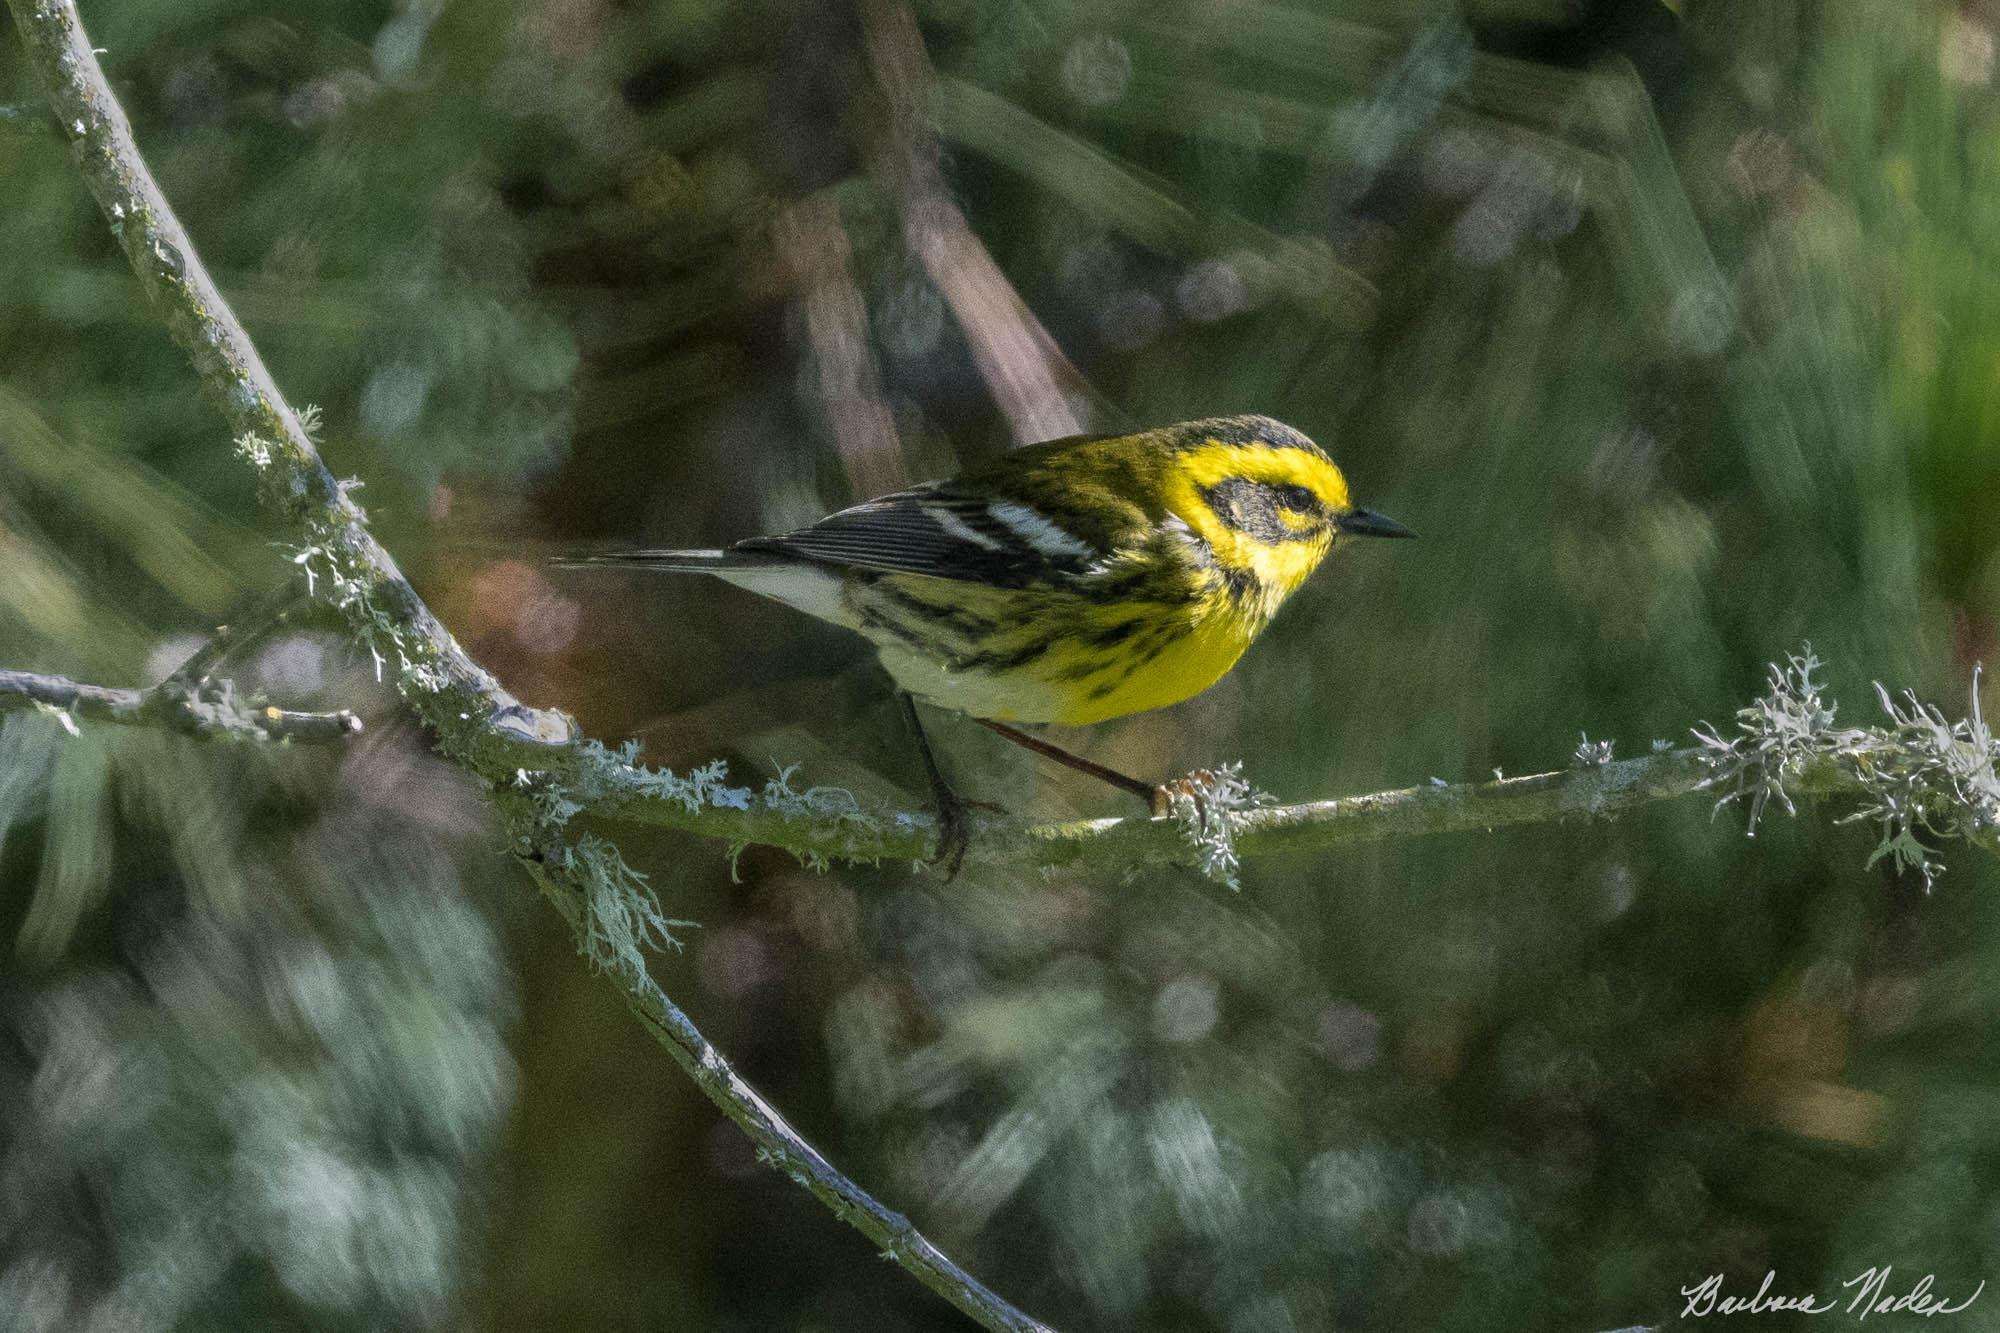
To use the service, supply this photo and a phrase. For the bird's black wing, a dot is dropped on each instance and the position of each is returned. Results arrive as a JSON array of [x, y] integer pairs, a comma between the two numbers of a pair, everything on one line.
[[947, 534]]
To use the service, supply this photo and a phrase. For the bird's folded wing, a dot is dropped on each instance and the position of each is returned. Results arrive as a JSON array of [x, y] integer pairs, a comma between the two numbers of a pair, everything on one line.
[[933, 530]]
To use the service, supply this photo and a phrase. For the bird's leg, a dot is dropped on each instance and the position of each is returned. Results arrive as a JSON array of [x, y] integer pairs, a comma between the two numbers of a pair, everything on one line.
[[1154, 795], [950, 809]]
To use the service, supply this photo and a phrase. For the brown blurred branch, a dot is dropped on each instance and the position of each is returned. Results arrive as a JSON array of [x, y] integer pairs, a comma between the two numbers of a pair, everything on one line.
[[208, 709], [813, 246], [1036, 386], [517, 749]]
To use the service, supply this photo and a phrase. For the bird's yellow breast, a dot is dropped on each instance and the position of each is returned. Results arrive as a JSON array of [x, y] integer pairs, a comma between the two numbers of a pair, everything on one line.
[[1194, 658], [1038, 655]]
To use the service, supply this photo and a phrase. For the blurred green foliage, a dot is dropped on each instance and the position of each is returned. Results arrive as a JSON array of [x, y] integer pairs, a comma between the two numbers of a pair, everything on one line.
[[1670, 329]]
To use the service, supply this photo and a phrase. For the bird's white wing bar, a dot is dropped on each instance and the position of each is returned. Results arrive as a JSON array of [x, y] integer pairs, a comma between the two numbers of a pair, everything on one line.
[[960, 529], [932, 530], [1039, 532]]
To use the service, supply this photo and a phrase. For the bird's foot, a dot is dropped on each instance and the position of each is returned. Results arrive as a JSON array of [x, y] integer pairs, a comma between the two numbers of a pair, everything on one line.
[[953, 830]]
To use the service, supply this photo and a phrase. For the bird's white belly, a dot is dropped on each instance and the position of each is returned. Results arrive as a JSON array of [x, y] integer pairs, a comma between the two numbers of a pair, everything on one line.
[[1014, 696]]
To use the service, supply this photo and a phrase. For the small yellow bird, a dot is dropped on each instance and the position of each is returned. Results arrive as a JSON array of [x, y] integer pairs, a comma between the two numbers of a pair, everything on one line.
[[1070, 582]]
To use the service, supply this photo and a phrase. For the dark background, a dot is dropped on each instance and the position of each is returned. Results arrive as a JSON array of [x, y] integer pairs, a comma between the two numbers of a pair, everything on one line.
[[1669, 327]]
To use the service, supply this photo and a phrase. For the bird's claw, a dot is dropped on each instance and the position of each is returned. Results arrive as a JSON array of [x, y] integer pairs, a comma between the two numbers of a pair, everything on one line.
[[952, 836]]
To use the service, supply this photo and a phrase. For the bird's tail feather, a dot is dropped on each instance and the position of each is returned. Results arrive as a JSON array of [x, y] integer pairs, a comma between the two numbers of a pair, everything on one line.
[[691, 562], [797, 583]]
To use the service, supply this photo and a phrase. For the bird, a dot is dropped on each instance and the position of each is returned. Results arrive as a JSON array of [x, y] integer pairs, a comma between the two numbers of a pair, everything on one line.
[[1068, 582]]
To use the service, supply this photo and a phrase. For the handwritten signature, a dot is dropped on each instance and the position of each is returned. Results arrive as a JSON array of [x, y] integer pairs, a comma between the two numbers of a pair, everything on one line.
[[1871, 1296]]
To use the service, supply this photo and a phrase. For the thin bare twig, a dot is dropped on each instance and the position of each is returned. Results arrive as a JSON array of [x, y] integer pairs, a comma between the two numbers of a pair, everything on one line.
[[210, 709], [258, 620]]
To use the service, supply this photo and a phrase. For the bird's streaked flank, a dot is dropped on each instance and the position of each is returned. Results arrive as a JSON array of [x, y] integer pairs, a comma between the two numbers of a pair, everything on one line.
[[1071, 581]]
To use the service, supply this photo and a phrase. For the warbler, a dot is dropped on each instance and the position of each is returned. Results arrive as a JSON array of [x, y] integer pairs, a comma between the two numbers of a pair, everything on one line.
[[1066, 582]]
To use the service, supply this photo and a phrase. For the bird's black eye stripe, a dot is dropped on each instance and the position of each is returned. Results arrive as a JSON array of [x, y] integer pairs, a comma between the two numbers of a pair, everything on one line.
[[1253, 507]]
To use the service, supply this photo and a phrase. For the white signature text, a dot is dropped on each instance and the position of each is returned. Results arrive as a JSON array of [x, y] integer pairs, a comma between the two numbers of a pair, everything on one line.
[[1870, 1290]]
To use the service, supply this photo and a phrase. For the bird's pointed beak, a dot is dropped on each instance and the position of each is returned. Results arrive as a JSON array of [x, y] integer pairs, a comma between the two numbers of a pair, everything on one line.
[[1368, 523]]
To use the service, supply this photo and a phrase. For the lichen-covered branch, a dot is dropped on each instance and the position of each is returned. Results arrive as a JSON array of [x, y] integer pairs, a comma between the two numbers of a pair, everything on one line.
[[210, 708], [242, 387], [576, 878], [1921, 779], [531, 755]]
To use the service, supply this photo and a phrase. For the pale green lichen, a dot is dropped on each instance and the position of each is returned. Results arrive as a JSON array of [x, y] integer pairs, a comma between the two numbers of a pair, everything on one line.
[[702, 788], [622, 916], [254, 450], [1924, 779], [352, 585], [1778, 735], [832, 824], [820, 825], [616, 915], [1201, 804], [1592, 754], [1938, 780], [63, 717]]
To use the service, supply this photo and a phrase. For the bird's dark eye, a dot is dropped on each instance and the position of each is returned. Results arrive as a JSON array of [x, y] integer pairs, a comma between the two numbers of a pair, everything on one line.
[[1293, 496]]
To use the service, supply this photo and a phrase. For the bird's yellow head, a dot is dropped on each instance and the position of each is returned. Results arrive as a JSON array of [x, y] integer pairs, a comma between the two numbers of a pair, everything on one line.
[[1268, 502]]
